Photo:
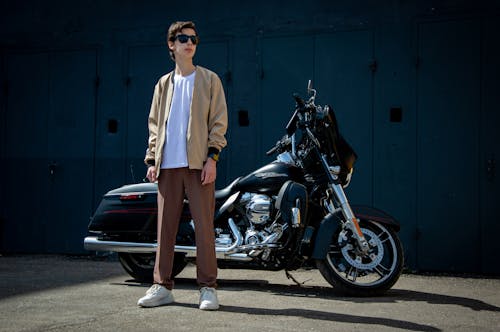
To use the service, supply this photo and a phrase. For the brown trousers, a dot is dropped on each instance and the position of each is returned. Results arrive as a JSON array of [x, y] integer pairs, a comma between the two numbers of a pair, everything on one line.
[[172, 184]]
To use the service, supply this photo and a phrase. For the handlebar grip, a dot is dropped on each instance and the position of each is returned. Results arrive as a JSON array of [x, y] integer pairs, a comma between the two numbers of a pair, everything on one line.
[[273, 150], [300, 102]]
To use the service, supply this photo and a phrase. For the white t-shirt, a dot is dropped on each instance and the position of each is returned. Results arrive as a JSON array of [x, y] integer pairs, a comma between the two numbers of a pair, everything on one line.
[[174, 150]]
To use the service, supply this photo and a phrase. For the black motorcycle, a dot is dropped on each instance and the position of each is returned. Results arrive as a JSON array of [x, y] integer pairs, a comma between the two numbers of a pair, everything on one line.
[[292, 213]]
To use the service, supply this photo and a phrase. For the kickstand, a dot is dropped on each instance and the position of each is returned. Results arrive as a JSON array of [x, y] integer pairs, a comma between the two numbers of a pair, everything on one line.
[[289, 276]]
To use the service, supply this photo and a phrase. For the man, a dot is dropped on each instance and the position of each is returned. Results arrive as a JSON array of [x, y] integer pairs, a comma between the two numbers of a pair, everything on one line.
[[187, 124]]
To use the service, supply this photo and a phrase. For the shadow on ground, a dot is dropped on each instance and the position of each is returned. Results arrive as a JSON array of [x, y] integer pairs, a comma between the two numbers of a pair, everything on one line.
[[392, 296], [21, 274]]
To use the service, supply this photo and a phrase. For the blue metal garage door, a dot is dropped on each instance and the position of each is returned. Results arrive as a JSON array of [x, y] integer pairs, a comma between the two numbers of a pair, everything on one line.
[[50, 121], [338, 64], [448, 106]]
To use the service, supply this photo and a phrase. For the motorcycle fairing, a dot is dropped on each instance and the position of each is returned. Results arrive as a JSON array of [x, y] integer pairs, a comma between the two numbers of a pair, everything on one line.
[[335, 145], [288, 195]]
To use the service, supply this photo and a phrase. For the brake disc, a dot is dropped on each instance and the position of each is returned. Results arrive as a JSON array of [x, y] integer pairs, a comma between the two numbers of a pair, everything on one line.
[[363, 262]]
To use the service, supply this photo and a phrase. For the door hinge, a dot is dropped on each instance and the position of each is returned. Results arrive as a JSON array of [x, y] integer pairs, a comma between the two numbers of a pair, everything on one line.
[[128, 80], [373, 65], [418, 233], [97, 81], [490, 168], [418, 61], [228, 76]]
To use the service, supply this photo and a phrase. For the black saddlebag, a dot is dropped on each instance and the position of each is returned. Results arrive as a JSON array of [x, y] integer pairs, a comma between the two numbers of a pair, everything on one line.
[[130, 208]]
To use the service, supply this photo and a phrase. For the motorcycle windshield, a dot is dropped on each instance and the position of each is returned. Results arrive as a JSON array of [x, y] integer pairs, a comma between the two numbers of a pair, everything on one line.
[[335, 145]]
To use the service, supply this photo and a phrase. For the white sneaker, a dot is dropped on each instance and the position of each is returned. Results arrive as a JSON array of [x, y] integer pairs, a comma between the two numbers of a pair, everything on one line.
[[155, 296], [208, 299]]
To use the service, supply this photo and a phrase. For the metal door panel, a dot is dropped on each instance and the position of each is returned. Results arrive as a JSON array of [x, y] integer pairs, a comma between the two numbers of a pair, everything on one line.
[[71, 149], [344, 80], [24, 183], [448, 103], [146, 64], [287, 65], [489, 158]]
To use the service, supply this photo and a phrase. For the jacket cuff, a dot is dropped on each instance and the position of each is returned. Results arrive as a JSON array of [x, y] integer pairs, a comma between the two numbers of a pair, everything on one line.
[[212, 150]]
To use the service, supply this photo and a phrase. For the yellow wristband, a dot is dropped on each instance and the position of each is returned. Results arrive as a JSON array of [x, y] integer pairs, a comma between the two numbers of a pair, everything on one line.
[[214, 156]]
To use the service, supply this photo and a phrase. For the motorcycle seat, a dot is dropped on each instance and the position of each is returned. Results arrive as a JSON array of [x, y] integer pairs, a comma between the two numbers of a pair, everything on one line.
[[223, 194]]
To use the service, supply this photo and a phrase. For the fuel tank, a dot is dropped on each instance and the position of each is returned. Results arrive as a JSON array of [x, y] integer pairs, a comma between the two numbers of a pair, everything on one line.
[[269, 178]]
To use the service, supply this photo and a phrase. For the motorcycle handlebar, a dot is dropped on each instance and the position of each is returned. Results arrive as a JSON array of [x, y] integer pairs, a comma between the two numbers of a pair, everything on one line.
[[292, 124], [300, 102], [272, 151], [282, 143]]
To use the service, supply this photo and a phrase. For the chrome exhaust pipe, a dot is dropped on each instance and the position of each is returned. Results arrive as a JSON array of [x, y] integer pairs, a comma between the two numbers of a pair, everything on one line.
[[222, 252], [92, 243]]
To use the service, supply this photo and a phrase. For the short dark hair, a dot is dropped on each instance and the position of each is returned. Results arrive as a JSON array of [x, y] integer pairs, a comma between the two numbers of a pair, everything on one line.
[[175, 28]]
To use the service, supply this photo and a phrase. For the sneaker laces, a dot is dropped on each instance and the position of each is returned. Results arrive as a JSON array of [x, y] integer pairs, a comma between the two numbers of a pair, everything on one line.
[[154, 289], [207, 291]]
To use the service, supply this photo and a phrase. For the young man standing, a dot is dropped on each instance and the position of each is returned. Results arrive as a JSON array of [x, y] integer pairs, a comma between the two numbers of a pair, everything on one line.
[[187, 124]]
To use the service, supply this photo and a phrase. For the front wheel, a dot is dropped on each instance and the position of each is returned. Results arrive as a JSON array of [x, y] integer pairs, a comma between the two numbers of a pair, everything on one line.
[[141, 266], [354, 273]]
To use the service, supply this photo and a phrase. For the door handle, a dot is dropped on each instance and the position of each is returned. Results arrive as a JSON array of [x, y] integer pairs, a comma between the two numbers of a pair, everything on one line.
[[490, 169], [52, 168]]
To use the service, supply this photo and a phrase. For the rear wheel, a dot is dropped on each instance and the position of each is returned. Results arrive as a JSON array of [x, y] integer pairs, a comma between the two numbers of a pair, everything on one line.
[[141, 265], [357, 274]]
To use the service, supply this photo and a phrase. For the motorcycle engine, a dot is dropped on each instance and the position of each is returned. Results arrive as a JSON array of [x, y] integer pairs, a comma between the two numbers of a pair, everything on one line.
[[258, 208], [263, 232]]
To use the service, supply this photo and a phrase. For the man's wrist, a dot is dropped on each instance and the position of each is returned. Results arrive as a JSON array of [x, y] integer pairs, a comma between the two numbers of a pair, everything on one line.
[[213, 153], [214, 156]]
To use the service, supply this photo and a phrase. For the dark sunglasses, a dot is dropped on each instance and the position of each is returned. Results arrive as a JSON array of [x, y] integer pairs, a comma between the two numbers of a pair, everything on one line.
[[184, 39]]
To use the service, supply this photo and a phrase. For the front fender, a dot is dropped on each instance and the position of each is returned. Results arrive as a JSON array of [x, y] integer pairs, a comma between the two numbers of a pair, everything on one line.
[[364, 212], [330, 223], [327, 227]]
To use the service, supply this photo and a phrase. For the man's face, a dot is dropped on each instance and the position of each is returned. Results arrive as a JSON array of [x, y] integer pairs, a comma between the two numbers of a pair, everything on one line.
[[183, 50]]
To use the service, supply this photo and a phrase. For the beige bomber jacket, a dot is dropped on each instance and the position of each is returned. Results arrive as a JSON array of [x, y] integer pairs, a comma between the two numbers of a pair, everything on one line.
[[207, 118]]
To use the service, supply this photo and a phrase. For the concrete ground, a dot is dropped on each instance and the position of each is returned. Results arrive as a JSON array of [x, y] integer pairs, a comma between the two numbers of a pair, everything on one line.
[[60, 293]]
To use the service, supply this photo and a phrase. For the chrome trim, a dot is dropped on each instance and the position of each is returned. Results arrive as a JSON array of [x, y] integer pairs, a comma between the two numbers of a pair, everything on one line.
[[220, 251], [286, 157], [230, 201], [295, 217], [238, 257], [130, 193], [92, 243], [349, 215]]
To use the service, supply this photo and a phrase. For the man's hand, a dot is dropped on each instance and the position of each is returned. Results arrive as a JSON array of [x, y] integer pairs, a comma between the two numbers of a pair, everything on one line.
[[209, 172], [151, 174]]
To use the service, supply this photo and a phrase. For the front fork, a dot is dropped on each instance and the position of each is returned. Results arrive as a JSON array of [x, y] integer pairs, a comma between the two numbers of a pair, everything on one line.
[[351, 222]]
